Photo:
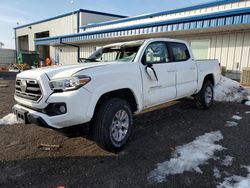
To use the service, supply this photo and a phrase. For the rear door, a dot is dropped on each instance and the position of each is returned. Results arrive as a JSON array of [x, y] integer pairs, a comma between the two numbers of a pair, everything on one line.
[[186, 69]]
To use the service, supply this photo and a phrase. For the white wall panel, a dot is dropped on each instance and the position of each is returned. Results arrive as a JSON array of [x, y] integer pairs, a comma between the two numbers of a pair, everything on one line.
[[229, 48], [245, 51], [68, 55], [86, 18], [213, 47], [60, 26], [247, 3], [238, 51], [224, 50], [218, 47], [86, 51], [231, 51]]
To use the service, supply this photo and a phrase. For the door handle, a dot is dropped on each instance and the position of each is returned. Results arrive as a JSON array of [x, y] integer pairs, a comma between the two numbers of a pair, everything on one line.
[[192, 68], [171, 71]]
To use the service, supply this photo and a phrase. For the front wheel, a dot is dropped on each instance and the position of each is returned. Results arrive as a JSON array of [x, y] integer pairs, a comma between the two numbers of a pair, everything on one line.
[[205, 98], [112, 124]]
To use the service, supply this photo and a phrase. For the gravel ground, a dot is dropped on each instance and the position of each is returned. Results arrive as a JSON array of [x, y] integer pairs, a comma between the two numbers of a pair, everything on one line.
[[80, 163]]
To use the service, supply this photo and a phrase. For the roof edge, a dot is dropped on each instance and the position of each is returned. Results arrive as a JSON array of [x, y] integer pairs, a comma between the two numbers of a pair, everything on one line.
[[194, 7], [173, 21], [68, 14]]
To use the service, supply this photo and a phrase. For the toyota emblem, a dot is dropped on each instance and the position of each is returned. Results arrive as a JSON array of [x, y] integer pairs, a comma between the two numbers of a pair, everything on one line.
[[23, 85]]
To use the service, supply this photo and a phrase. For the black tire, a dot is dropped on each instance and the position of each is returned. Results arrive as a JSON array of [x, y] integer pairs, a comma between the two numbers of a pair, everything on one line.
[[103, 124], [201, 100]]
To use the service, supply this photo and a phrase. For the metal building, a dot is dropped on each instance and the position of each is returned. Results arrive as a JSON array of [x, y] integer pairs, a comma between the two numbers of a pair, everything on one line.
[[66, 24], [216, 30]]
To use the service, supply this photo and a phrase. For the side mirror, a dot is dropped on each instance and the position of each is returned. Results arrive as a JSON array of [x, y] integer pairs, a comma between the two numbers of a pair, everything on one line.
[[151, 73]]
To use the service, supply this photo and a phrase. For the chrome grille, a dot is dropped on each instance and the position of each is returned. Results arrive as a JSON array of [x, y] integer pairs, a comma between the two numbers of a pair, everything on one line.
[[28, 89]]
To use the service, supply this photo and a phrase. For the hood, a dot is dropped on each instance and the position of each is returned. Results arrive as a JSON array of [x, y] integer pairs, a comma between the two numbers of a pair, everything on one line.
[[59, 71]]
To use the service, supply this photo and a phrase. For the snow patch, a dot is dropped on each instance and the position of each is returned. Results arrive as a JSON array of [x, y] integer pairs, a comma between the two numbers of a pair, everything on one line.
[[236, 117], [231, 124], [188, 157], [230, 91], [236, 181], [247, 103], [10, 119], [228, 161], [217, 173]]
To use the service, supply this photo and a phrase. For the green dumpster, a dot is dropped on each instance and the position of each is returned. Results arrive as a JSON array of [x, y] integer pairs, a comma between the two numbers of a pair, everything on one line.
[[30, 58]]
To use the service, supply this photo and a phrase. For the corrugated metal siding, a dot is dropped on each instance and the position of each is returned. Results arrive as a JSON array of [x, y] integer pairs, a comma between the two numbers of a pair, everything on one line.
[[7, 56], [245, 51], [60, 26], [88, 18], [231, 49], [68, 55], [236, 17], [229, 6], [86, 51]]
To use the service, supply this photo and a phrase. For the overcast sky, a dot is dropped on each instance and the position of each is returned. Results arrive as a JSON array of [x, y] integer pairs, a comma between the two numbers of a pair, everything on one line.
[[27, 11]]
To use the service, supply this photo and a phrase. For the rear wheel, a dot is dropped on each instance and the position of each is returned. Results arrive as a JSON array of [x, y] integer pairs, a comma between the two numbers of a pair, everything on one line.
[[112, 124], [205, 98]]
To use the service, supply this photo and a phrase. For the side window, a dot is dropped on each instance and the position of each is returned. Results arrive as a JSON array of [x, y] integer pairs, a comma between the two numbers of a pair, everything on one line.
[[179, 51], [156, 52]]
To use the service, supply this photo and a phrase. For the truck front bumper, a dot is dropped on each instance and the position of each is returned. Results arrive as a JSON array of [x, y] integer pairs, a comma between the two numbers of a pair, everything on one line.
[[77, 103]]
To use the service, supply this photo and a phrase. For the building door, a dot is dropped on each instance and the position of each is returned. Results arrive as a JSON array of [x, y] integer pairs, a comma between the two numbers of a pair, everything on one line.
[[44, 50], [23, 43]]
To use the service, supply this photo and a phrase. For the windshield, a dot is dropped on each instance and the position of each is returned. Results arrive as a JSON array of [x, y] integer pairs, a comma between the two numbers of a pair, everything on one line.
[[120, 53]]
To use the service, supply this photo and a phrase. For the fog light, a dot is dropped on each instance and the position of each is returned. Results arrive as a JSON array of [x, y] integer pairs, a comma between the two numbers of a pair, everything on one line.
[[62, 109], [54, 109]]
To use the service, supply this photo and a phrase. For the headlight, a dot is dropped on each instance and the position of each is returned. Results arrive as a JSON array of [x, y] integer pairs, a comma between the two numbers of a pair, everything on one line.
[[67, 84]]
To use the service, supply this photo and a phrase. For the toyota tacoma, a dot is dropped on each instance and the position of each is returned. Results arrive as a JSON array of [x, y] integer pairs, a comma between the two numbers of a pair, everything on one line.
[[114, 83]]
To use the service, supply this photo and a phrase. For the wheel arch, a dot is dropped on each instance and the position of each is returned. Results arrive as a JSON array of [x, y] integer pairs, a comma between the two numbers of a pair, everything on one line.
[[209, 77], [124, 93]]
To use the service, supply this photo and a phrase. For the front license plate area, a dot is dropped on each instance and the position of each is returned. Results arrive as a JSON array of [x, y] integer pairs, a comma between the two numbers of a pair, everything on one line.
[[21, 115]]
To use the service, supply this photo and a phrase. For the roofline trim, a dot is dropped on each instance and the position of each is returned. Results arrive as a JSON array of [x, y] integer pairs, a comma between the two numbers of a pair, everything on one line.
[[68, 14], [173, 21], [194, 7]]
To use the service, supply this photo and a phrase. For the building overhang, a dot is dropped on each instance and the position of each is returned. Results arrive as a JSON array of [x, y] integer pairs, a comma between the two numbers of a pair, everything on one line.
[[220, 21], [152, 15]]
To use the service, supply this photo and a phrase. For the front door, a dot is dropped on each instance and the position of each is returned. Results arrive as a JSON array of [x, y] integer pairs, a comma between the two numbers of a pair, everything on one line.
[[158, 74]]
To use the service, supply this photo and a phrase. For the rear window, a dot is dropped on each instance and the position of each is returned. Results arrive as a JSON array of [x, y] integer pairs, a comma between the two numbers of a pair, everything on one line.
[[179, 51]]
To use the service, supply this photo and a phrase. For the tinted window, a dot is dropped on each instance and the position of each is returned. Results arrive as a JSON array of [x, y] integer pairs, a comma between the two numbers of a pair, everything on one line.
[[156, 52], [179, 51]]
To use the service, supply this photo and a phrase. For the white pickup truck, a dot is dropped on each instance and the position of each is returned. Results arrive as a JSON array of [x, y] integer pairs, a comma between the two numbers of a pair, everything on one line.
[[114, 83]]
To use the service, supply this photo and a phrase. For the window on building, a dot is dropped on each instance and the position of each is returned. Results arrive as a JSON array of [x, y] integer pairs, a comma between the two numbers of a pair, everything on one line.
[[180, 51], [200, 49]]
